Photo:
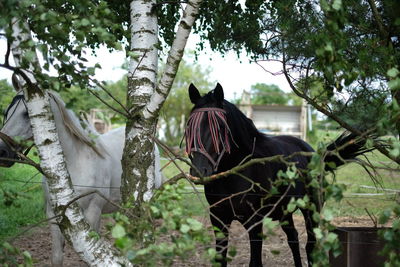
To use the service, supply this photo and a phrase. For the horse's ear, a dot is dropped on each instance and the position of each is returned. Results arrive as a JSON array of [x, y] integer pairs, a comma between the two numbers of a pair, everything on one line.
[[219, 93], [194, 94]]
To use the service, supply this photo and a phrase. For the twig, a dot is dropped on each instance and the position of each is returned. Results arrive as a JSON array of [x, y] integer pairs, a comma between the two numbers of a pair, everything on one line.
[[108, 105], [177, 177], [110, 95], [176, 156], [378, 19], [11, 239], [237, 169], [373, 218]]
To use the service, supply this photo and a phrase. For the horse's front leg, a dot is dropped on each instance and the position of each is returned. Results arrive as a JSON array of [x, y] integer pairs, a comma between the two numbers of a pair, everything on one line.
[[256, 241], [58, 241], [310, 225], [93, 212], [293, 239], [221, 231]]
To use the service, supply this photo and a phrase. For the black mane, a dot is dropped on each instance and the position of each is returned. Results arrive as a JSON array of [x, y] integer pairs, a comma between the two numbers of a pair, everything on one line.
[[243, 129]]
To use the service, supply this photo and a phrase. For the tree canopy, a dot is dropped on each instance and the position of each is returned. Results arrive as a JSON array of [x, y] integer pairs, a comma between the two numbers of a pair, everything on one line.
[[270, 94], [335, 54]]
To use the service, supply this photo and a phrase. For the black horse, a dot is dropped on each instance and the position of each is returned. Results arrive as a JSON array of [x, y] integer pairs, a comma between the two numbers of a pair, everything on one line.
[[219, 137]]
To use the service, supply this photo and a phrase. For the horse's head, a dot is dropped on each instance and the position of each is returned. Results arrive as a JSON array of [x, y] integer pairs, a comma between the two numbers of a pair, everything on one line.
[[207, 132], [16, 124]]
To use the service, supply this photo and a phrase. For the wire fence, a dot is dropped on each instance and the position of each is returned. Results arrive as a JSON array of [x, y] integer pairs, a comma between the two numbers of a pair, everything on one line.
[[389, 192]]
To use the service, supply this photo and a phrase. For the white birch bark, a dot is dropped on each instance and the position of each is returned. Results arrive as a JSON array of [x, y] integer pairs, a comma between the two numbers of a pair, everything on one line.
[[138, 157], [72, 223], [145, 98], [174, 58]]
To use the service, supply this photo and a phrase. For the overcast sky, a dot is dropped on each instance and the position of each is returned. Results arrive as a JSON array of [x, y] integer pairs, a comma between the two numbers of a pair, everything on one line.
[[235, 75]]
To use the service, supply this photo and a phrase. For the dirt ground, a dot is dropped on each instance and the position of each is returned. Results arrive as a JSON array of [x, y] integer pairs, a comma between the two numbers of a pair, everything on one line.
[[38, 243]]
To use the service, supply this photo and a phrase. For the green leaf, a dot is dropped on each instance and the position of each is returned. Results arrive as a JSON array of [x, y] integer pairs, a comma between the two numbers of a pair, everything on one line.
[[337, 5], [301, 203], [232, 252], [275, 252], [393, 72], [27, 258], [118, 231], [318, 233], [291, 206], [194, 224], [316, 217], [30, 55], [94, 234], [291, 174], [85, 22], [91, 70], [43, 16], [328, 214], [184, 228], [331, 238], [385, 216], [394, 84]]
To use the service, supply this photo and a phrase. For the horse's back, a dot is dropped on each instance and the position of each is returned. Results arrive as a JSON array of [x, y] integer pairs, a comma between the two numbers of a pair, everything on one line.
[[287, 145], [114, 141]]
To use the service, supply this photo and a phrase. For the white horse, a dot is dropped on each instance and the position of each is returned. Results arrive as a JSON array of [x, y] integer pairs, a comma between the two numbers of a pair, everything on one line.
[[93, 164]]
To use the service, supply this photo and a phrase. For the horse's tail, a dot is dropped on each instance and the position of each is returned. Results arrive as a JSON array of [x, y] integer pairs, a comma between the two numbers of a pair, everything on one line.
[[346, 147]]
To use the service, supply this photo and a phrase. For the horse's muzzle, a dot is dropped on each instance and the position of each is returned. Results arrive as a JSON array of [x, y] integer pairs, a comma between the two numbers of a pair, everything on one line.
[[5, 158], [6, 155]]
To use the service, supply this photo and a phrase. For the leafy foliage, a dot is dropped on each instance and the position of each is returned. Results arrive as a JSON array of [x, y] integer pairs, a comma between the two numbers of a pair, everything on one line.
[[264, 94], [391, 236], [9, 254], [329, 50], [65, 31], [176, 234]]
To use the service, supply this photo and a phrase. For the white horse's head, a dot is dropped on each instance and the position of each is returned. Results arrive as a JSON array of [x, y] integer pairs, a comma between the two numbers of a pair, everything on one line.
[[16, 125]]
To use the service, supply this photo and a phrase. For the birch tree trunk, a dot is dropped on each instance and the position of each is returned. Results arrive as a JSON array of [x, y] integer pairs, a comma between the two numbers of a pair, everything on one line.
[[76, 230], [145, 97]]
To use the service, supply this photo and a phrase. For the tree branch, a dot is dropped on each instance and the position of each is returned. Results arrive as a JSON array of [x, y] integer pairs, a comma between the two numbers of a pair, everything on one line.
[[108, 105], [237, 169], [382, 30], [174, 57], [341, 122], [110, 95]]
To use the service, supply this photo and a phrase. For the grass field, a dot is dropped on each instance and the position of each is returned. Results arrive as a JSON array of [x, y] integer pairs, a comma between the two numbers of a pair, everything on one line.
[[21, 199], [28, 209], [365, 193]]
